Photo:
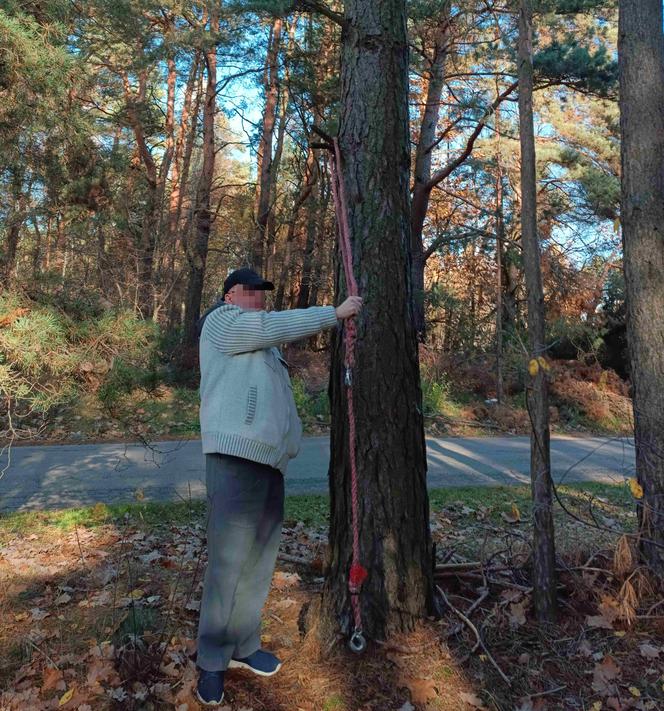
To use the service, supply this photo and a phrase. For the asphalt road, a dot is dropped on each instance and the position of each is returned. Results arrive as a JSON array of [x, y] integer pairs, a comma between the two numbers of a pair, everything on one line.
[[82, 474]]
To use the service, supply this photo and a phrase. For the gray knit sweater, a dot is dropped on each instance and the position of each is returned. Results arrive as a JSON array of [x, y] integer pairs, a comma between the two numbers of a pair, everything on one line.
[[247, 406]]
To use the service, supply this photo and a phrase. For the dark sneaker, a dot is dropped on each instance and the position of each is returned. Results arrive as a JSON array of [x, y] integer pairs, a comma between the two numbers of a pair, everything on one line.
[[260, 662], [210, 687]]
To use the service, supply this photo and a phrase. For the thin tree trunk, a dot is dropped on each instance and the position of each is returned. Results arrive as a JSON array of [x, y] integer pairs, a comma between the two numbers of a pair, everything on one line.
[[276, 164], [271, 226], [148, 235], [500, 238], [182, 235], [198, 251], [264, 181], [309, 178], [425, 145], [178, 179], [543, 554], [393, 508], [641, 65], [313, 213], [14, 223], [13, 231], [36, 253]]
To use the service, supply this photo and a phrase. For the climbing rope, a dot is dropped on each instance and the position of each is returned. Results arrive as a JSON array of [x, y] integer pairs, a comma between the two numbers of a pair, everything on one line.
[[358, 572]]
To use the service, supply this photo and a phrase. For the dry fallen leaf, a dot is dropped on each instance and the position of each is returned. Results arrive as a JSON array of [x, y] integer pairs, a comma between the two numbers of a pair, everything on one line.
[[599, 621], [285, 603], [38, 614], [51, 677], [421, 690], [635, 488], [282, 580], [517, 614], [66, 697], [472, 700], [649, 651], [513, 517], [604, 675]]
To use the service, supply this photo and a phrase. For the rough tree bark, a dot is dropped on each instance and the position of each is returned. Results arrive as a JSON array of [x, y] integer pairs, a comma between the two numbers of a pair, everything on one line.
[[395, 539], [641, 67], [543, 554]]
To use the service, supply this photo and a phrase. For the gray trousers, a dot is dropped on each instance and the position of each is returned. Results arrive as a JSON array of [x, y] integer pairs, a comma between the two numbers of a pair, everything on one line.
[[245, 513]]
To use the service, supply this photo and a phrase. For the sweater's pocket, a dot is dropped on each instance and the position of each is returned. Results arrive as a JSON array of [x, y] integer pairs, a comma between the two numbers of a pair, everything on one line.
[[252, 397]]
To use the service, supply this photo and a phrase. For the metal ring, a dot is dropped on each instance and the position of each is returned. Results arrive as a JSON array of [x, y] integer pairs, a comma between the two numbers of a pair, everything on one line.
[[357, 642]]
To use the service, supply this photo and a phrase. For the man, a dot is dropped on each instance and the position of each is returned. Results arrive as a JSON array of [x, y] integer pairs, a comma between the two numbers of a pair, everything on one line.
[[250, 430]]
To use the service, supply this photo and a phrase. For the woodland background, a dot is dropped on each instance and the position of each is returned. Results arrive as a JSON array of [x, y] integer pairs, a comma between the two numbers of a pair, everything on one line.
[[149, 148]]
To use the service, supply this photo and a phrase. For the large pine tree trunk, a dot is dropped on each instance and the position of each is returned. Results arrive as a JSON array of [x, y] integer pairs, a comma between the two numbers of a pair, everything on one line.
[[395, 540], [543, 555], [641, 64]]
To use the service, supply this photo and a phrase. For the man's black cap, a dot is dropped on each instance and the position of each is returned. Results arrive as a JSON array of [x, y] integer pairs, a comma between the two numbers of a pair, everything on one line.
[[246, 276], [239, 276]]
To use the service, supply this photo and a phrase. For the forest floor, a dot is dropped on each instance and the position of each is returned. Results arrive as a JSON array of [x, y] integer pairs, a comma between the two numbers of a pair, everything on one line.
[[100, 605], [584, 400]]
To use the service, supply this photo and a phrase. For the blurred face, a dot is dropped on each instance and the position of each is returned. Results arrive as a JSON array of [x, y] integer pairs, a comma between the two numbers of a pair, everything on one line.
[[246, 297]]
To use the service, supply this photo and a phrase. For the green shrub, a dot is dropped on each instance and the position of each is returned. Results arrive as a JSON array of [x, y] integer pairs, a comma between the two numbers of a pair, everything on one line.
[[573, 339], [435, 395], [48, 357], [311, 407]]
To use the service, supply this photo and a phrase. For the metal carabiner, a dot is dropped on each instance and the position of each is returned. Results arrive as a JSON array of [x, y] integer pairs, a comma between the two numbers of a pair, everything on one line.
[[347, 378], [357, 642]]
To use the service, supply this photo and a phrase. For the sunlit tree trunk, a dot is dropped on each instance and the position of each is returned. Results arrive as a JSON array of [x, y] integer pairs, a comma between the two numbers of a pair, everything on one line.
[[264, 168], [543, 554], [641, 65], [395, 540]]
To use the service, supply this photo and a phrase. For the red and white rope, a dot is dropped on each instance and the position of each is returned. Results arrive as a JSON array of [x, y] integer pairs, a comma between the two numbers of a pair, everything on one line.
[[357, 573]]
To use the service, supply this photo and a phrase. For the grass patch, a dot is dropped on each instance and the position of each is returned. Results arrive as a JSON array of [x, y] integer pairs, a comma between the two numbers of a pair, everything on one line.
[[312, 509], [150, 514]]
